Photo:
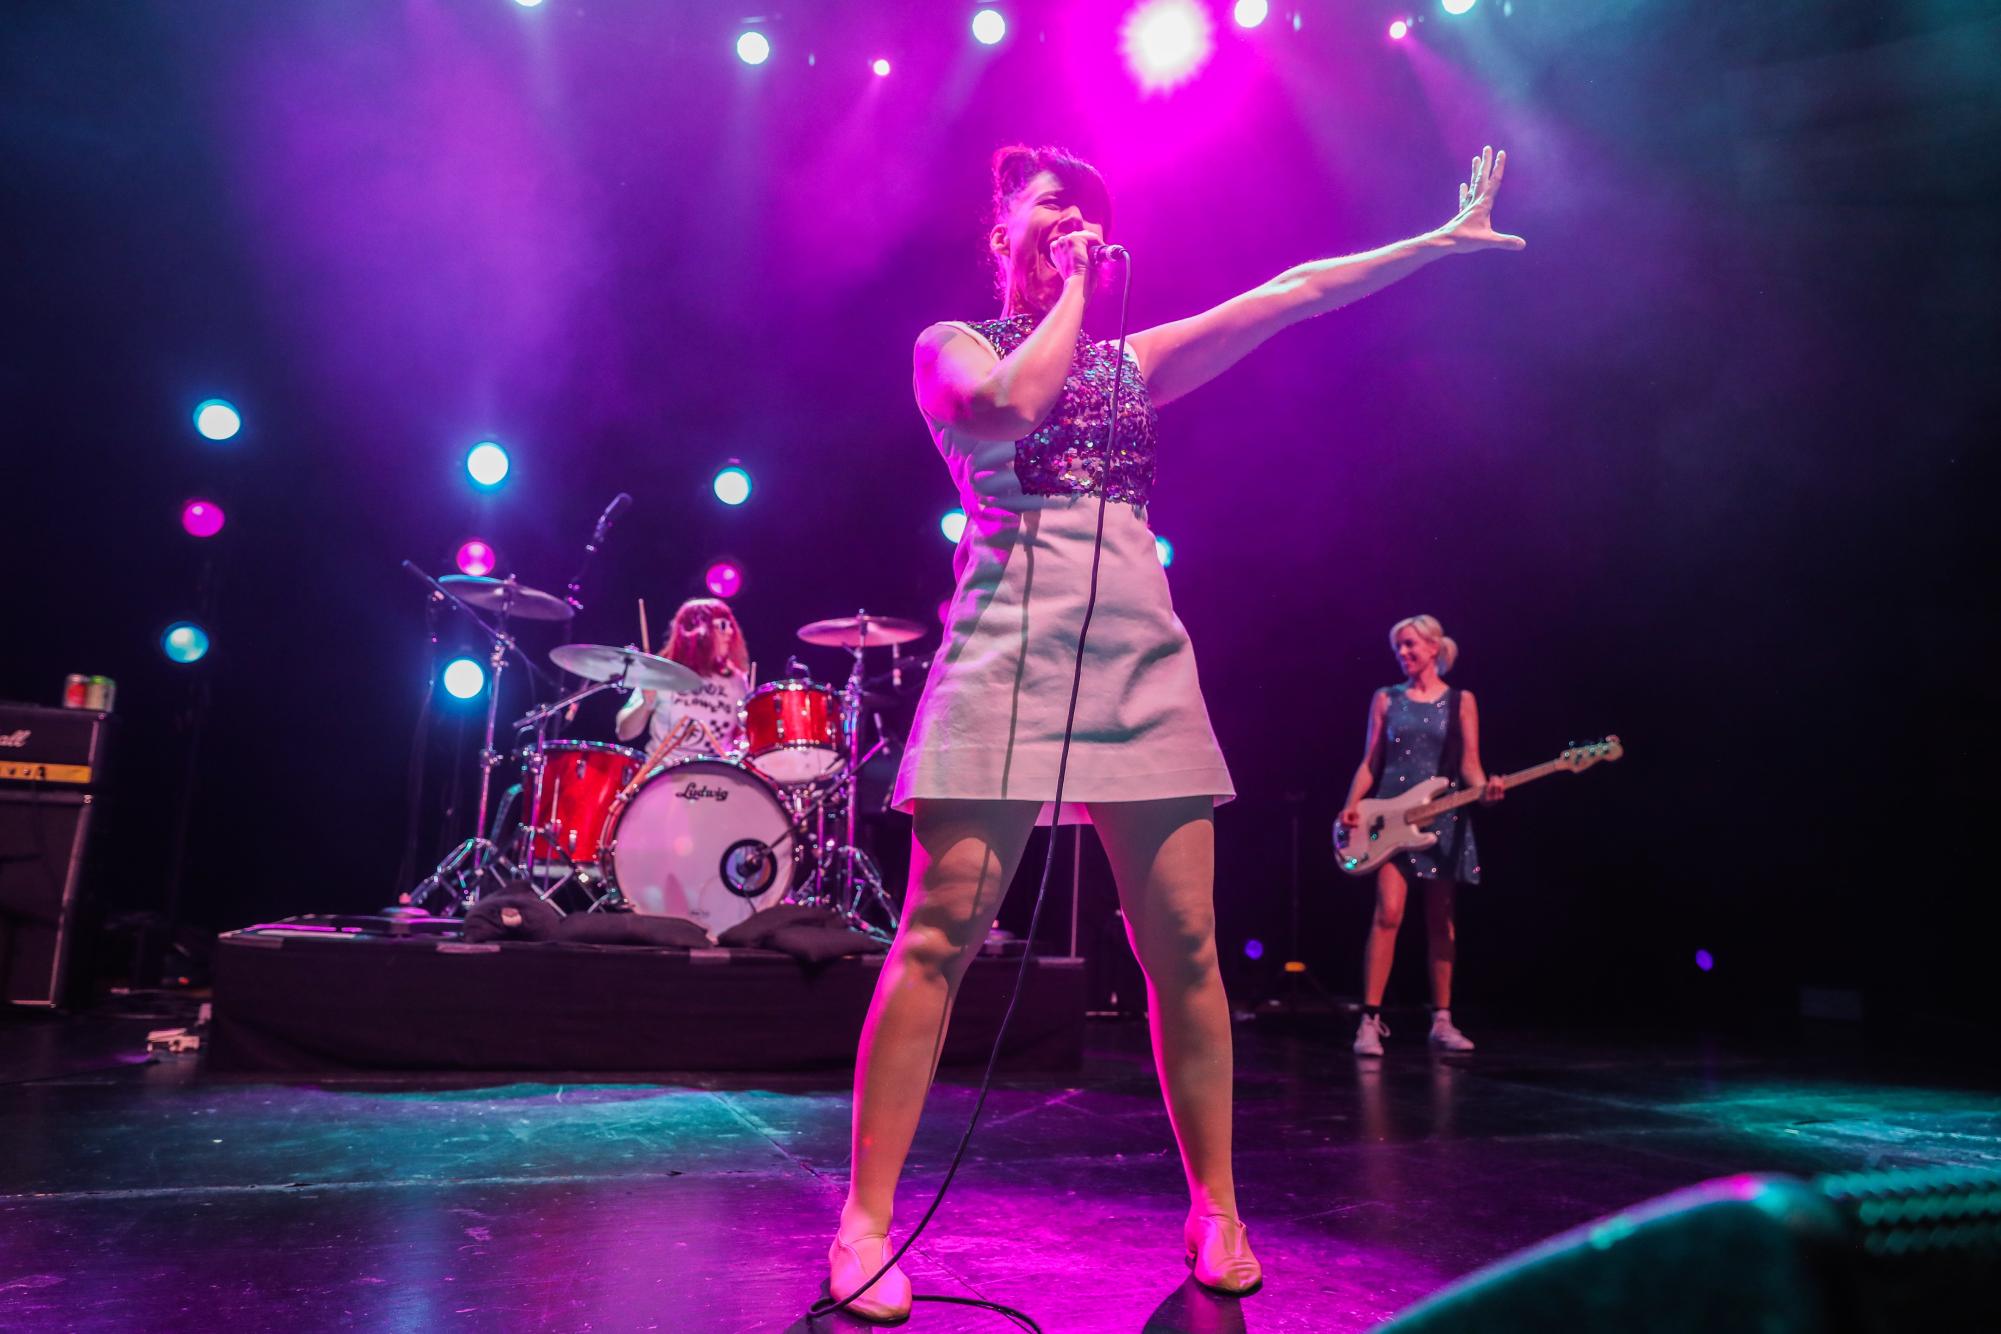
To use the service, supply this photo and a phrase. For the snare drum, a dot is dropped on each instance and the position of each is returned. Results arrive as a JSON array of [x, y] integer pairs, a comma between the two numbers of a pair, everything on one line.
[[704, 839], [580, 780], [793, 730]]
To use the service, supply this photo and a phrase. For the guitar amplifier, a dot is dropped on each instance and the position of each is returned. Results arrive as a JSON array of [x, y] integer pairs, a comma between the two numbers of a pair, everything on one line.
[[51, 764]]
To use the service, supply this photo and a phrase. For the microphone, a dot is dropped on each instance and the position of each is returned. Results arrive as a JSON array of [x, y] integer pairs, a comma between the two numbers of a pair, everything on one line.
[[618, 502], [1099, 252]]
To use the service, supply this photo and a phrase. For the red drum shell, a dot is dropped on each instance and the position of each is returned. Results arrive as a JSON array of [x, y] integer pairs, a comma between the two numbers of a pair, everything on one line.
[[580, 780], [793, 731]]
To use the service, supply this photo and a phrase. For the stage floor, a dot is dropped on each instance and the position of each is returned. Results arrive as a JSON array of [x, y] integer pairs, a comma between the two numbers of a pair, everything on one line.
[[141, 1194]]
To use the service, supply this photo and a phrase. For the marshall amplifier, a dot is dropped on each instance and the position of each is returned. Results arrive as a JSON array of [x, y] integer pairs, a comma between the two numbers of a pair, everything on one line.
[[51, 764]]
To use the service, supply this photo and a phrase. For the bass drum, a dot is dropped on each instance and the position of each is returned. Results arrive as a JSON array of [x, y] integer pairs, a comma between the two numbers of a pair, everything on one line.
[[704, 839]]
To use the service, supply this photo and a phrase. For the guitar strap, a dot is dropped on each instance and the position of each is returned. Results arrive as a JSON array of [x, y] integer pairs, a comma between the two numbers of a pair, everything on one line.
[[1454, 753], [1455, 744]]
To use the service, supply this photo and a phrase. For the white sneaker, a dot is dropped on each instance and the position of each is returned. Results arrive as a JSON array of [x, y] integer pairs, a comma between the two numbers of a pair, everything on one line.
[[1369, 1035], [1445, 1036]]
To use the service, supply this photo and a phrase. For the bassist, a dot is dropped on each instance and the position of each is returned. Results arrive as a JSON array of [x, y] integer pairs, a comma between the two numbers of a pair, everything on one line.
[[1419, 730]]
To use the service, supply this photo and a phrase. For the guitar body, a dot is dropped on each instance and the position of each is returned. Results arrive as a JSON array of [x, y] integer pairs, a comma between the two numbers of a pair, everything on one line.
[[1384, 830], [1405, 821]]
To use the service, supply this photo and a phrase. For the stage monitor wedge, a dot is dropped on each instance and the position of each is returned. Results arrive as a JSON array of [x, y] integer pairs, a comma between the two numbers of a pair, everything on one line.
[[1871, 1253]]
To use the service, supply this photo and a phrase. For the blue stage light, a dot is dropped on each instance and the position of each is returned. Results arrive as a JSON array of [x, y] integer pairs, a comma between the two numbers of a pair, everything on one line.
[[184, 642], [1165, 550], [1456, 7], [217, 419], [732, 485], [953, 524], [487, 464], [464, 678]]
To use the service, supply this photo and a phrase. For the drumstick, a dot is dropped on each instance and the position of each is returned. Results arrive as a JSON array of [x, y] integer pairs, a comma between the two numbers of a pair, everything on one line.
[[665, 744], [645, 644]]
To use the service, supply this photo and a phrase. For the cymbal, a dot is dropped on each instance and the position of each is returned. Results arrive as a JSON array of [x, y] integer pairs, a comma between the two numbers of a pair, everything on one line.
[[642, 671], [504, 595], [872, 631]]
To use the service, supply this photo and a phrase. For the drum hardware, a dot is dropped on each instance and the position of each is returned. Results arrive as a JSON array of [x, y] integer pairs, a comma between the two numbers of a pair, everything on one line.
[[455, 883], [504, 596], [602, 828], [568, 821], [845, 877], [632, 668], [708, 839]]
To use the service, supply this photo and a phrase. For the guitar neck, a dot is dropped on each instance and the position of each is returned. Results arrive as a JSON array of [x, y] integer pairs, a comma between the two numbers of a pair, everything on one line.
[[1418, 814]]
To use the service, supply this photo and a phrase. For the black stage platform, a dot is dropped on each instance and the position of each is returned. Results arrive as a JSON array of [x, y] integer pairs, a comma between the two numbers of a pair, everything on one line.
[[306, 1002]]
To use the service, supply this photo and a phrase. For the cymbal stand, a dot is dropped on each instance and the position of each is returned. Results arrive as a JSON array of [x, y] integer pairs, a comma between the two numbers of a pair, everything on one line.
[[459, 876], [860, 884]]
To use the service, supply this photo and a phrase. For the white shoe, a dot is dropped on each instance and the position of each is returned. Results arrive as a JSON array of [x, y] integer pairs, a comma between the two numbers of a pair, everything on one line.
[[1445, 1036], [1369, 1035]]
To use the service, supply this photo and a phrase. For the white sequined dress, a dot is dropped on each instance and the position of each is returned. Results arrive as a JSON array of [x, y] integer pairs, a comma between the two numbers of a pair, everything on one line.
[[990, 722]]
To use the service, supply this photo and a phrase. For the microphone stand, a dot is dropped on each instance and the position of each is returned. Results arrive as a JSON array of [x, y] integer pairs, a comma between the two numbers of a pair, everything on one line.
[[618, 502]]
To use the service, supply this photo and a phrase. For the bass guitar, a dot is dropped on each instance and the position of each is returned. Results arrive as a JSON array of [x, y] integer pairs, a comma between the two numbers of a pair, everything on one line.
[[1390, 825]]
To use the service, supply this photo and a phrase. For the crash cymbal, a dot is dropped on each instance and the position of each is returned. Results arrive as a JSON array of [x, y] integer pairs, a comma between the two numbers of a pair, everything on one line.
[[642, 671], [870, 631], [504, 595]]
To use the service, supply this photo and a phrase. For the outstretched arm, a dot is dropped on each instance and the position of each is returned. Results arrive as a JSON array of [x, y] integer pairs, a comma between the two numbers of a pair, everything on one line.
[[1187, 354]]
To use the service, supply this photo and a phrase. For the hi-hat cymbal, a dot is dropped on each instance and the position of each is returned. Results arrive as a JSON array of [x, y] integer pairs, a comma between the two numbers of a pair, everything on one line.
[[642, 671], [866, 630], [504, 595]]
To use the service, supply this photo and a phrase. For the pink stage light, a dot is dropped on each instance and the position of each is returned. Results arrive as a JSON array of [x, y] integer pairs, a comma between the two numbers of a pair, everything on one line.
[[201, 518], [1250, 13], [724, 578], [476, 558], [1399, 30], [881, 68], [1166, 42]]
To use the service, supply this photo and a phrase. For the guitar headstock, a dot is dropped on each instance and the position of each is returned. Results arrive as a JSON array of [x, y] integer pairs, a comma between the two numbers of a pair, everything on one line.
[[1579, 758]]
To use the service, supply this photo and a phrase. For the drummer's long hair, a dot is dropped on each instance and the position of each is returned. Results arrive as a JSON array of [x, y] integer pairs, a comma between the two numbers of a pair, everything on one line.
[[688, 642]]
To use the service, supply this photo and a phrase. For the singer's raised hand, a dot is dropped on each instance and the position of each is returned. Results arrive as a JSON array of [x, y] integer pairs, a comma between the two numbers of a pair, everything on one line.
[[1473, 228]]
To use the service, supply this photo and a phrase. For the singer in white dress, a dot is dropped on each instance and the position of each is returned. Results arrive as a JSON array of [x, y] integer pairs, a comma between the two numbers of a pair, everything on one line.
[[1019, 408]]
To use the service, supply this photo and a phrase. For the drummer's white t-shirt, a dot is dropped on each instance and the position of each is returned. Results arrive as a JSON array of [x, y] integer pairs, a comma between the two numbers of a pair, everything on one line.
[[684, 716]]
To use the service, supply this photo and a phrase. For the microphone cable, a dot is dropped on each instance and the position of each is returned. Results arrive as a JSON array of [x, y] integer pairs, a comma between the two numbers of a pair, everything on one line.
[[826, 1306]]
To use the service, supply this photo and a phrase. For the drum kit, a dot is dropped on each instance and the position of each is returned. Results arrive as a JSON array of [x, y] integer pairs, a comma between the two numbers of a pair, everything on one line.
[[713, 838]]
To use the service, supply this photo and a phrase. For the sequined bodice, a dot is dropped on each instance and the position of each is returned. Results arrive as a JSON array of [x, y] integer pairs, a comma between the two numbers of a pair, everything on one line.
[[1066, 454], [1414, 735]]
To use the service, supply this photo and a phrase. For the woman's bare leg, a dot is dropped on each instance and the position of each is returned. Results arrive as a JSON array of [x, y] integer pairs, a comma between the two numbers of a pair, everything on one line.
[[1444, 948], [1381, 951], [962, 855], [1163, 855]]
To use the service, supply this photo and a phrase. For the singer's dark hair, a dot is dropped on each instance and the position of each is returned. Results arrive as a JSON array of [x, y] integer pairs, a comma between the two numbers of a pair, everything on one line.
[[1015, 165]]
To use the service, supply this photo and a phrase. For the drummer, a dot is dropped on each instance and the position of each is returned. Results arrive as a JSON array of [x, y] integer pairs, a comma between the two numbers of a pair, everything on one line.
[[706, 639]]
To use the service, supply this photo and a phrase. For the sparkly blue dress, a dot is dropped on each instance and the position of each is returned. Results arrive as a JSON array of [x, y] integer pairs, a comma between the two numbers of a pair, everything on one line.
[[990, 724], [1414, 736]]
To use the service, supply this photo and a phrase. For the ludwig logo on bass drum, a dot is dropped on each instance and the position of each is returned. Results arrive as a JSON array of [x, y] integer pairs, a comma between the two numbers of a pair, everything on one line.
[[698, 792]]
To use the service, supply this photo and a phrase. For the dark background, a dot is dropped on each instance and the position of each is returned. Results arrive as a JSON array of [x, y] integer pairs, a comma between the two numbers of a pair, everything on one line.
[[1703, 467]]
